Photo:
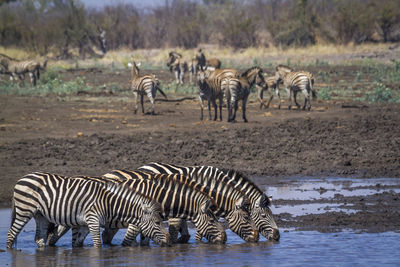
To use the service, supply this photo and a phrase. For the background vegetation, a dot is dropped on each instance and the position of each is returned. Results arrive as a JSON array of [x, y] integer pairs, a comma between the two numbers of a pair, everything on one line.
[[59, 26]]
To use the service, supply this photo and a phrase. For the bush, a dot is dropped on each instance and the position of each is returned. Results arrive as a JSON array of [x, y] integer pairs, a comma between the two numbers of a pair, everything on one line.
[[381, 94]]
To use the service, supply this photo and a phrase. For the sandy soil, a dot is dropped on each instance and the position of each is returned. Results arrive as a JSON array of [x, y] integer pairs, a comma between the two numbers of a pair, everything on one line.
[[93, 134]]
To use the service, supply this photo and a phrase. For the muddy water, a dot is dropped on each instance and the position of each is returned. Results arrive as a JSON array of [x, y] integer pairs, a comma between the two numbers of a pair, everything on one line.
[[295, 247]]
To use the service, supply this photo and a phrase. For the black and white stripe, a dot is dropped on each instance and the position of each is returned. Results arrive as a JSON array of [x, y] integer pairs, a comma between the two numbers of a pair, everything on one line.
[[81, 201], [295, 81], [210, 88], [144, 85], [178, 200], [213, 177]]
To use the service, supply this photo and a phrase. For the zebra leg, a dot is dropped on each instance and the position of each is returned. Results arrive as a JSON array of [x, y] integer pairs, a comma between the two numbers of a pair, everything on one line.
[[221, 102], [141, 102], [201, 107], [279, 96], [289, 92], [19, 219], [151, 96], [177, 76], [135, 97], [198, 237], [130, 236], [108, 235], [94, 228], [244, 108], [42, 226], [235, 107], [260, 95], [181, 76], [79, 234], [33, 78], [295, 99], [214, 102], [183, 229], [56, 234], [229, 107], [306, 100]]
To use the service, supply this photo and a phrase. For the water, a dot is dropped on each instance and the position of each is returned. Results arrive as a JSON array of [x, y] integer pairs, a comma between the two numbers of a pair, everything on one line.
[[321, 190], [296, 248]]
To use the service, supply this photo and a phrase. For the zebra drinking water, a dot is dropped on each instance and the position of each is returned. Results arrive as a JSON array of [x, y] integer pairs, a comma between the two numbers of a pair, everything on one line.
[[213, 177], [81, 201]]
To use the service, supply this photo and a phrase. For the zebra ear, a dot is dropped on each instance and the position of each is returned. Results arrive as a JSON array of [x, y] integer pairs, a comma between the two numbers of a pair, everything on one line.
[[206, 206], [139, 63], [130, 65]]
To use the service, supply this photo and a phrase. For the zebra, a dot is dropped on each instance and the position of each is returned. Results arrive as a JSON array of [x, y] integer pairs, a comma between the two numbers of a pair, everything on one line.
[[178, 65], [178, 200], [239, 89], [18, 69], [231, 205], [210, 88], [199, 62], [145, 84], [260, 212], [294, 81], [81, 201]]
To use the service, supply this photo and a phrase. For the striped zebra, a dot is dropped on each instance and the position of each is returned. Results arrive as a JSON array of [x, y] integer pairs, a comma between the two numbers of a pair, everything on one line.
[[178, 200], [210, 88], [231, 205], [144, 84], [270, 87], [81, 201], [213, 177], [295, 81], [199, 62], [239, 89], [177, 64], [17, 69]]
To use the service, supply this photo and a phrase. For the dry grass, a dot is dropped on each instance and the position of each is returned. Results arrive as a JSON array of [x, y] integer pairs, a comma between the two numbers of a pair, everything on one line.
[[263, 56]]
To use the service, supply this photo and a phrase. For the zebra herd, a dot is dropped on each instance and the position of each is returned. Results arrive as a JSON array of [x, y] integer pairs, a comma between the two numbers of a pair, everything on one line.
[[229, 85], [18, 68], [140, 200]]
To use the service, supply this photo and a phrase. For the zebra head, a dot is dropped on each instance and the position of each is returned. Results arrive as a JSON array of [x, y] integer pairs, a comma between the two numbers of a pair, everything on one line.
[[207, 224], [240, 222], [281, 72], [173, 58], [263, 219], [150, 223], [255, 76]]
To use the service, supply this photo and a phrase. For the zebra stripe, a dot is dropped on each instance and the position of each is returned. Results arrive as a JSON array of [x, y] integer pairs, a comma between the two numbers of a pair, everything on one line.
[[295, 81], [212, 177], [210, 89], [146, 84], [81, 201], [231, 205], [177, 64], [178, 200]]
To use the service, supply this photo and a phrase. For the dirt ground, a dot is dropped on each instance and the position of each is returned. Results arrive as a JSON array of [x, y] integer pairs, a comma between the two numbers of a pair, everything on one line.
[[92, 134]]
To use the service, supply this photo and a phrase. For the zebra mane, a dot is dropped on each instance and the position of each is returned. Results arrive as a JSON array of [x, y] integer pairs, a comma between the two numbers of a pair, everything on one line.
[[239, 175], [244, 74]]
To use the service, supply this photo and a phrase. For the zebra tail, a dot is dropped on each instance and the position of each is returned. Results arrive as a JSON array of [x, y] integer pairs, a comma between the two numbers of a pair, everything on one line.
[[161, 91], [311, 83]]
